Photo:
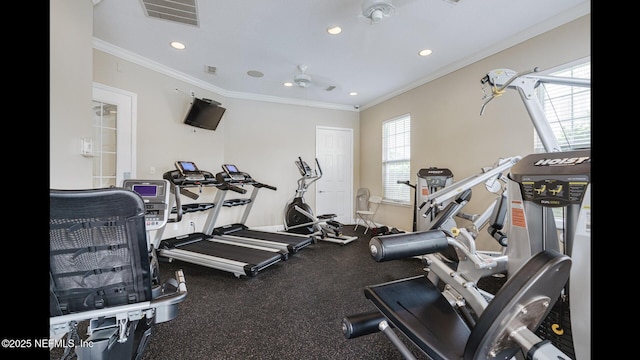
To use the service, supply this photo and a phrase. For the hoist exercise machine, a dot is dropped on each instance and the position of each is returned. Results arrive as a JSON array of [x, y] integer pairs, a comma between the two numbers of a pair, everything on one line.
[[104, 271], [543, 309], [435, 190], [554, 180], [447, 203], [298, 215], [428, 180]]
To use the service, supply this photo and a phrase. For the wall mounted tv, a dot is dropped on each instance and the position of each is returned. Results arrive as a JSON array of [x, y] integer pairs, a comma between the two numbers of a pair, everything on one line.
[[204, 113]]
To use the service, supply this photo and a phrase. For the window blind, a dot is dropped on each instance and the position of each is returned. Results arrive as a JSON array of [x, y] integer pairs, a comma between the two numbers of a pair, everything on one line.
[[568, 110], [396, 159]]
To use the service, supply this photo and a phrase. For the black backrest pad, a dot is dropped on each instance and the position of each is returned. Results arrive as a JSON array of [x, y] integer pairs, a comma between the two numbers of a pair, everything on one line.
[[99, 255]]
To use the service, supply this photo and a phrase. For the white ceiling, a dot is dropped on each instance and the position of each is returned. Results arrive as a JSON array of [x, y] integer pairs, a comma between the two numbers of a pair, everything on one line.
[[377, 60]]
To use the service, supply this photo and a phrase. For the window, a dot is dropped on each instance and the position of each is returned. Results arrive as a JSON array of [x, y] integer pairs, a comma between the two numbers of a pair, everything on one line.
[[396, 159], [104, 136], [567, 109]]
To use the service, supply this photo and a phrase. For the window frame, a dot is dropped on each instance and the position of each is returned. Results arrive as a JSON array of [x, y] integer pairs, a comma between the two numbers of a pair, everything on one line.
[[575, 115], [546, 102], [398, 157]]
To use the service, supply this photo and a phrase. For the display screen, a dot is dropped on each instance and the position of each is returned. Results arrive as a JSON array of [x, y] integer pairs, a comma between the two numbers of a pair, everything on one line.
[[146, 190], [230, 169], [204, 114], [187, 166]]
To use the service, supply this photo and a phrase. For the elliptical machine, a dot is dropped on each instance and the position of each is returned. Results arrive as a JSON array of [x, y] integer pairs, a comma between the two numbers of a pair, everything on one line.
[[298, 215]]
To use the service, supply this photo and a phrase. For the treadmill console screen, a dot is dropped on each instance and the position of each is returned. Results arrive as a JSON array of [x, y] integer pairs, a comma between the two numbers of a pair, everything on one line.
[[189, 170], [146, 190], [156, 200], [233, 172], [230, 169], [186, 166]]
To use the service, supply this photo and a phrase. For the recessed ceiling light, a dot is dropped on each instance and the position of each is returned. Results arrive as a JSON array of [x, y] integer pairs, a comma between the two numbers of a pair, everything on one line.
[[287, 84], [425, 52], [255, 73], [177, 45], [353, 93], [334, 30]]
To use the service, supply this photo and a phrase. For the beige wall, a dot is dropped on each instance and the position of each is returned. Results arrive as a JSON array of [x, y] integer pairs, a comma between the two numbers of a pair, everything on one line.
[[265, 138], [446, 127], [70, 91]]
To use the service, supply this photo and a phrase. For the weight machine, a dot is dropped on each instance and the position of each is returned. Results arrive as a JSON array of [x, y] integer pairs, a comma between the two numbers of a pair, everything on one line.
[[444, 201], [558, 180], [532, 313], [428, 180]]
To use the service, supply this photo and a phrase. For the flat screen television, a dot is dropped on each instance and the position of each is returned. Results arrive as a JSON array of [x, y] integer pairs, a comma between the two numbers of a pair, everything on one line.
[[205, 114]]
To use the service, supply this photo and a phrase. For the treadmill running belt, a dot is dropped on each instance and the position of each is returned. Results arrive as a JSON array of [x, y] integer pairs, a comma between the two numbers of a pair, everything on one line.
[[253, 257], [295, 242]]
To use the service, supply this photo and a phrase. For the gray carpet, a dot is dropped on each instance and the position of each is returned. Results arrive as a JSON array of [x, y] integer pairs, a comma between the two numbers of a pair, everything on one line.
[[291, 310]]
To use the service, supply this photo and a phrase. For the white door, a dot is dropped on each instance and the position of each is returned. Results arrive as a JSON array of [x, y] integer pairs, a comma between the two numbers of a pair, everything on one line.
[[334, 191], [114, 135]]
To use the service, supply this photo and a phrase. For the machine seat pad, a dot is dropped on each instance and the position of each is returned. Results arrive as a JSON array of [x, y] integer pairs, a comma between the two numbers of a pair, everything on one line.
[[419, 310]]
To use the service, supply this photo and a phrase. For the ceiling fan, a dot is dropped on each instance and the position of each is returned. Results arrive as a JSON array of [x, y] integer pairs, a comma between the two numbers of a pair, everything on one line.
[[304, 80], [377, 10]]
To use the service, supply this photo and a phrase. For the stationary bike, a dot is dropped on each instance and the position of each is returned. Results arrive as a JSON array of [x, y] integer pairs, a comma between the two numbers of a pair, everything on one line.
[[298, 215]]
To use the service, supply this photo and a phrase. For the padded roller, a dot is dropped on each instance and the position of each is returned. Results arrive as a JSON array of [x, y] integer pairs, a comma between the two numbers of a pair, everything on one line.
[[357, 325], [406, 245]]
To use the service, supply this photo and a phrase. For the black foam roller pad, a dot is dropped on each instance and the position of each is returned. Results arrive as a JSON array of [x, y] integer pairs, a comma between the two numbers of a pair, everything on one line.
[[406, 245]]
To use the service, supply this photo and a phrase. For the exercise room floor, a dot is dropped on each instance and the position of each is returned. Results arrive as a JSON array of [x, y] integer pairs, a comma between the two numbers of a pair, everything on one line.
[[291, 310]]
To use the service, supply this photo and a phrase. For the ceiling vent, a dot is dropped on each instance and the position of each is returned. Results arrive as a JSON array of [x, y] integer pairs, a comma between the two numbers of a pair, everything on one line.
[[181, 11], [210, 69]]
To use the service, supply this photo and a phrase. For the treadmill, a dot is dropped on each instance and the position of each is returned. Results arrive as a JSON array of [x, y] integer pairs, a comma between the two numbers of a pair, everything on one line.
[[200, 248], [231, 178]]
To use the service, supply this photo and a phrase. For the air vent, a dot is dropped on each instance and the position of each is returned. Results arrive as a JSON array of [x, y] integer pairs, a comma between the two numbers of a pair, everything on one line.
[[181, 11], [210, 69]]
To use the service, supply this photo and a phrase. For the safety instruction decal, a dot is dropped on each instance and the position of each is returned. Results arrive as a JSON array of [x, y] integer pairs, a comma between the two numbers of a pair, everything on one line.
[[517, 214]]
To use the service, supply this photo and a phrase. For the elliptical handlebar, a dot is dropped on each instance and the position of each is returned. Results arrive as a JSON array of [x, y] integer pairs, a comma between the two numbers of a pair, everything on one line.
[[309, 176]]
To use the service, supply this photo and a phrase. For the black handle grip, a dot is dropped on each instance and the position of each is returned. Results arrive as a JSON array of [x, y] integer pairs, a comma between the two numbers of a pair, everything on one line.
[[236, 189], [261, 185]]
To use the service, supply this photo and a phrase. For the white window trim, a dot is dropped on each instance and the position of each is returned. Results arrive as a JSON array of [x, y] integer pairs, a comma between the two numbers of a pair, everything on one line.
[[392, 191]]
